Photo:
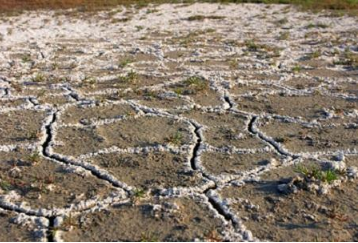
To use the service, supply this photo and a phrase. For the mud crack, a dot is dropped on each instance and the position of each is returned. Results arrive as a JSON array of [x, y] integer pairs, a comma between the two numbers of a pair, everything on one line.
[[253, 130], [47, 144], [196, 148]]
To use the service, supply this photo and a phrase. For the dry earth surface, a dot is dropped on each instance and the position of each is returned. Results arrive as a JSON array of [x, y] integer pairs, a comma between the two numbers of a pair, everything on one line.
[[178, 123]]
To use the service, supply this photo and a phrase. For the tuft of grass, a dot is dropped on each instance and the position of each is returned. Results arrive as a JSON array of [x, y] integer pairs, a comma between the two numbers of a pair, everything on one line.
[[39, 78], [317, 25], [176, 138], [125, 62], [131, 77], [296, 69], [149, 237], [34, 135], [252, 46], [138, 193], [284, 36], [282, 140], [69, 222], [26, 59], [34, 158], [5, 185], [348, 59], [282, 21], [197, 84], [316, 54], [202, 17], [314, 172]]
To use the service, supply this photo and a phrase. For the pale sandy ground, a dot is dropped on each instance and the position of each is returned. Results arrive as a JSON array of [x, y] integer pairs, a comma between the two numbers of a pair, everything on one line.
[[106, 136]]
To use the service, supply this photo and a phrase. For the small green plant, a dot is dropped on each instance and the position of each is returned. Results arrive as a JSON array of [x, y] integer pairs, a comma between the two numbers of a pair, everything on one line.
[[39, 77], [233, 63], [179, 90], [125, 62], [34, 135], [284, 35], [202, 17], [41, 93], [5, 185], [282, 21], [149, 11], [196, 84], [149, 237], [138, 193], [150, 94], [348, 59], [26, 59], [34, 158], [131, 77], [176, 138], [329, 176], [121, 20], [69, 221], [139, 27], [317, 25], [308, 172], [252, 46], [315, 54], [53, 231], [314, 172], [296, 69], [282, 140], [89, 81]]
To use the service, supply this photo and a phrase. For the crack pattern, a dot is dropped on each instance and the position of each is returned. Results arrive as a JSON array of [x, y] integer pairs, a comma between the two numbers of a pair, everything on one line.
[[164, 111]]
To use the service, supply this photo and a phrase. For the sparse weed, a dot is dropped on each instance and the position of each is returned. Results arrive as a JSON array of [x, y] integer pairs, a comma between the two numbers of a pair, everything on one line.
[[69, 221], [5, 185], [196, 84], [131, 77], [38, 78], [125, 62], [202, 17], [284, 36], [53, 232], [34, 158], [41, 94], [282, 140], [179, 90], [139, 27], [317, 25], [153, 10], [252, 46], [149, 237], [213, 236], [176, 138], [121, 20], [348, 59], [89, 81], [150, 94], [26, 59], [138, 193], [282, 21], [296, 69], [34, 135], [314, 172], [315, 54], [233, 63]]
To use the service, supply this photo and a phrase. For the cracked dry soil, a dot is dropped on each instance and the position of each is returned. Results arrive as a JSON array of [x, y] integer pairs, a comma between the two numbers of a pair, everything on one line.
[[176, 122]]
